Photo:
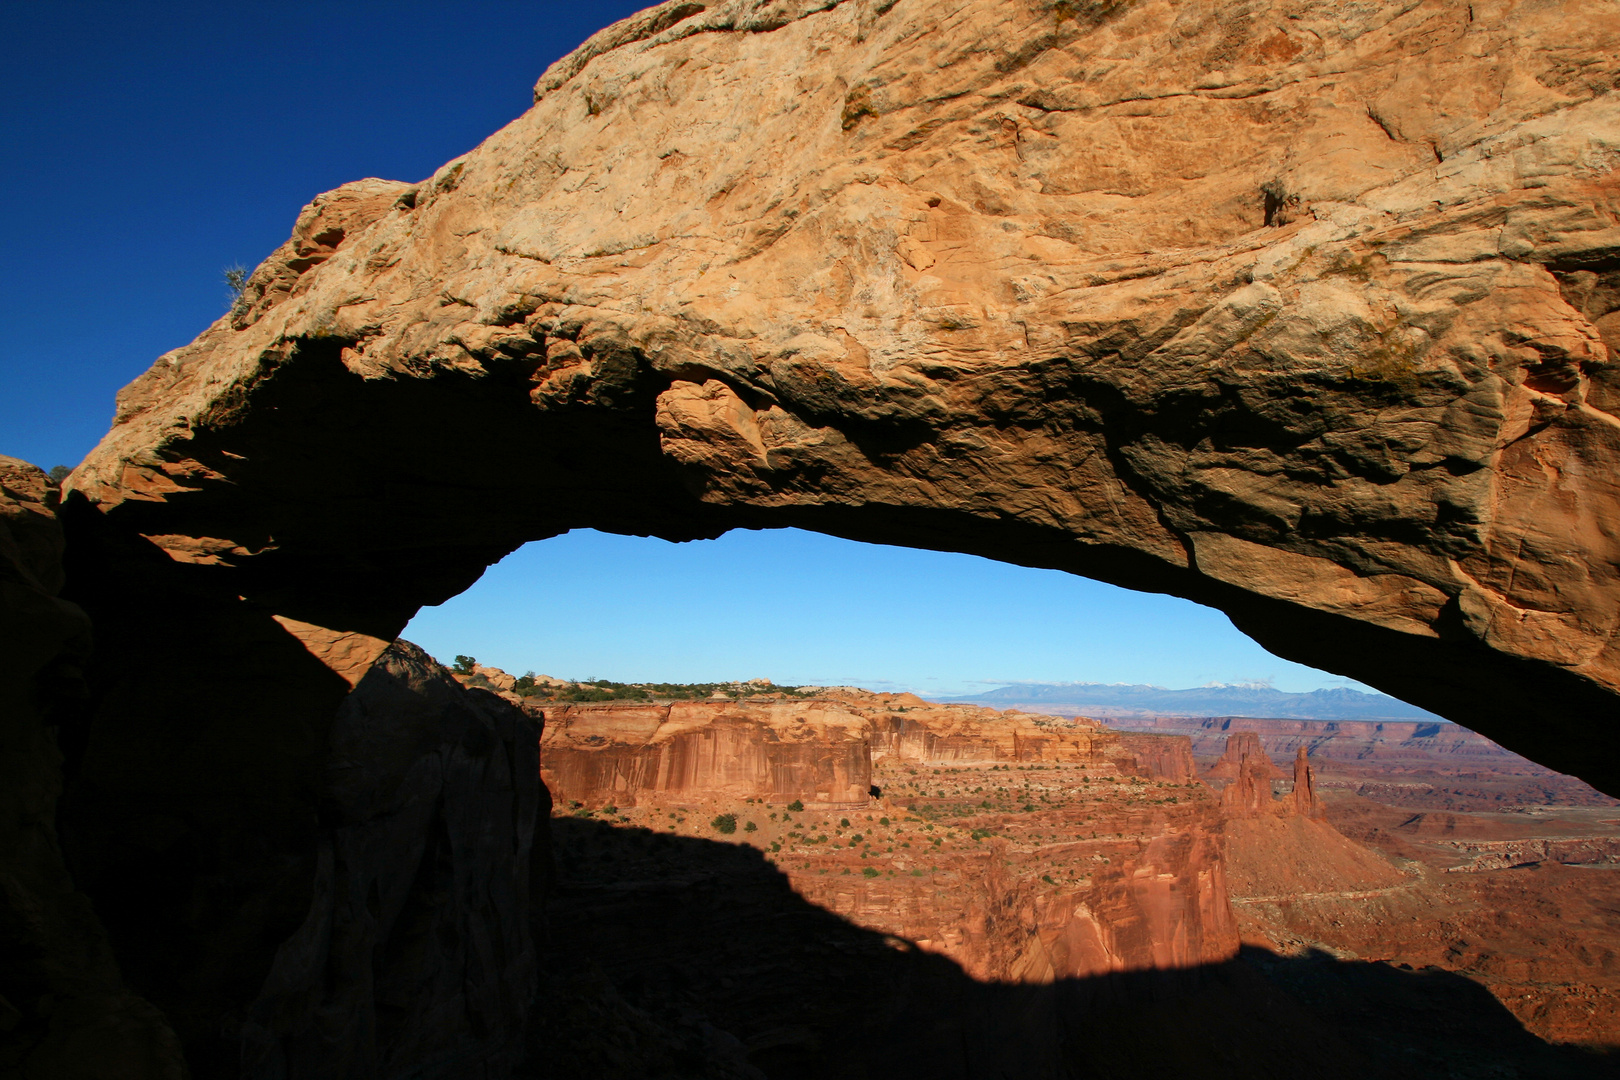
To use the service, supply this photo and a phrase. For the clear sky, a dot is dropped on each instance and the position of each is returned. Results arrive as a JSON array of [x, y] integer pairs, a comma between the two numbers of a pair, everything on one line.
[[148, 146]]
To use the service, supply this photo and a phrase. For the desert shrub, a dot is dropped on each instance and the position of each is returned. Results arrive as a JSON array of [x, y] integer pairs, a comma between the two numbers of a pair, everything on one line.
[[725, 823], [465, 665], [750, 827], [236, 278], [797, 806], [870, 871]]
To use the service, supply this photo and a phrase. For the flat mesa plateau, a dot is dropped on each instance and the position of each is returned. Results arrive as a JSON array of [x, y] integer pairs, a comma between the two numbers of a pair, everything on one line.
[[841, 883]]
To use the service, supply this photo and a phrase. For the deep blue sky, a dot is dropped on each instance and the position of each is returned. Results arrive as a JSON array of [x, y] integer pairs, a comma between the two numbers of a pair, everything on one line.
[[148, 146]]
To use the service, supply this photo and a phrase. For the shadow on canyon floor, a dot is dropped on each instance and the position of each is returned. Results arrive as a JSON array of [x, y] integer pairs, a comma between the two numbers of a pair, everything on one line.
[[673, 957]]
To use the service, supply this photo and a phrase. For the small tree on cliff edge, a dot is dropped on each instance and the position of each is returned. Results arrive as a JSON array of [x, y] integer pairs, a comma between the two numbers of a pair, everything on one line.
[[236, 278], [465, 665]]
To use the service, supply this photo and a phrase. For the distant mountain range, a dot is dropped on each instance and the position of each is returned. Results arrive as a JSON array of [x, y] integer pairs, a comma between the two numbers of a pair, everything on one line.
[[1118, 700]]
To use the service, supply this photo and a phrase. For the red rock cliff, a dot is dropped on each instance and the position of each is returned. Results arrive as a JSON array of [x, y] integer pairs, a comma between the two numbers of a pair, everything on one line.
[[1023, 847]]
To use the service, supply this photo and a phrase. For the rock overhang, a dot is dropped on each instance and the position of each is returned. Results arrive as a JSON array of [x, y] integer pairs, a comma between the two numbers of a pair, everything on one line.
[[1307, 314]]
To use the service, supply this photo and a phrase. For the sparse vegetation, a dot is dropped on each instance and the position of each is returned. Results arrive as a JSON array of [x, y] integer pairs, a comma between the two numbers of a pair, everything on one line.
[[236, 279], [608, 690], [725, 824]]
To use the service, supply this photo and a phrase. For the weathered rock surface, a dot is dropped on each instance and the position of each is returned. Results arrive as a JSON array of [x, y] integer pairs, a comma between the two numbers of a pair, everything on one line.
[[820, 751], [416, 958], [65, 1011], [1422, 765], [1248, 773], [1281, 849], [985, 918], [819, 755], [1307, 802], [1517, 898], [1306, 311], [1303, 310], [1105, 858]]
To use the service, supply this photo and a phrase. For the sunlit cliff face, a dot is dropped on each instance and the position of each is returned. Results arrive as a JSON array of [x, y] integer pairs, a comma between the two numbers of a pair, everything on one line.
[[1024, 848]]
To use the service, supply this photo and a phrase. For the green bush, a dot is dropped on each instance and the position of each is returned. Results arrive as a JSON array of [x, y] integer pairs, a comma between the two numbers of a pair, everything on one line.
[[236, 279], [725, 823], [750, 827], [870, 871], [465, 665], [797, 806]]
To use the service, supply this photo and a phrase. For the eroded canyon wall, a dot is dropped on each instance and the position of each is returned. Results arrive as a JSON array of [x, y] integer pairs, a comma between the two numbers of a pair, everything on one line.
[[819, 751], [819, 754], [1150, 894]]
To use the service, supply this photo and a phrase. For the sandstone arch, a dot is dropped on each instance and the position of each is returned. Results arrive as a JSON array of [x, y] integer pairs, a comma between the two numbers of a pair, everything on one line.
[[1302, 311], [1003, 285]]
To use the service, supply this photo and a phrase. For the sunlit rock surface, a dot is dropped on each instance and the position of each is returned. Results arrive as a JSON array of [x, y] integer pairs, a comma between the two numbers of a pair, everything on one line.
[[1302, 310], [1306, 311], [1022, 847]]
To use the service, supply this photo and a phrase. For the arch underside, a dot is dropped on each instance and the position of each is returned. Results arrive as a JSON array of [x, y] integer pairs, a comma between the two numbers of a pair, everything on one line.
[[1310, 320], [1307, 314]]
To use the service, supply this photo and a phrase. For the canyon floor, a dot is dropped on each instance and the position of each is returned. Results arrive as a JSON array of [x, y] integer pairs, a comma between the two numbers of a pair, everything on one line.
[[1064, 918]]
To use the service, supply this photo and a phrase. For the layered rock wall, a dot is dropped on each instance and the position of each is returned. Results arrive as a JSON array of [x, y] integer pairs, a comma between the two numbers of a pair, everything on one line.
[[1152, 894], [609, 753], [820, 752]]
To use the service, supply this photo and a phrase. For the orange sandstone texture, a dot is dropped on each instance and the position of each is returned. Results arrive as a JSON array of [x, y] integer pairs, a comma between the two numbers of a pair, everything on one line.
[[1020, 909], [1023, 847], [1517, 898], [1304, 311]]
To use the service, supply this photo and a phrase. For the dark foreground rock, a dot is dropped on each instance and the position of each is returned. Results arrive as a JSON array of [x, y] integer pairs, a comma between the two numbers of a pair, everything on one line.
[[65, 1011], [417, 955]]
